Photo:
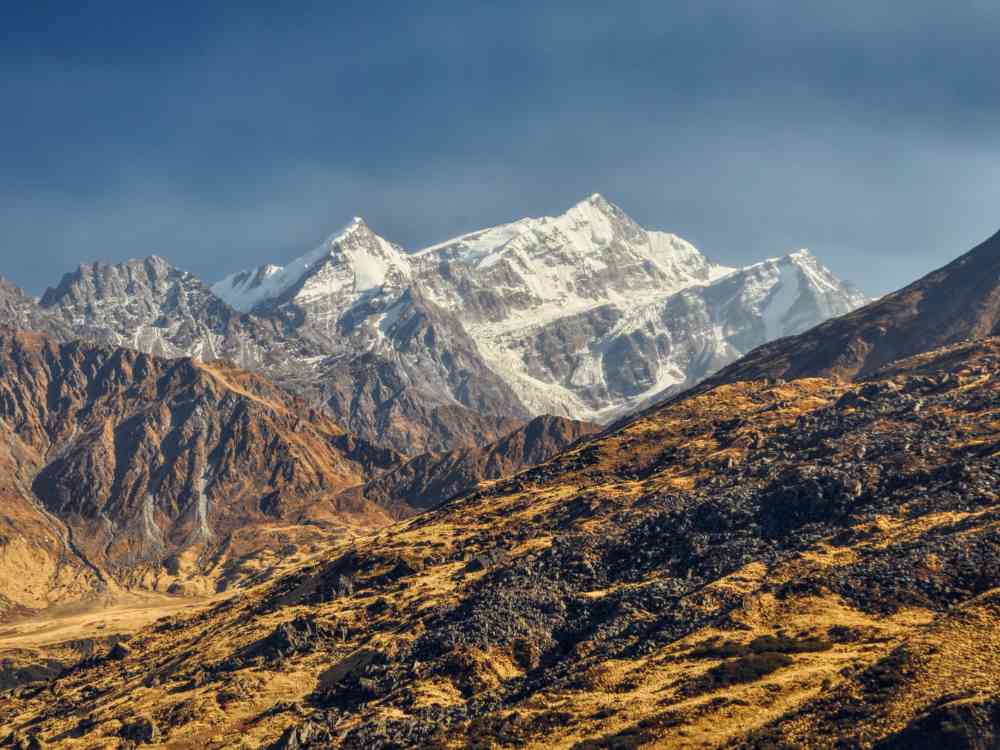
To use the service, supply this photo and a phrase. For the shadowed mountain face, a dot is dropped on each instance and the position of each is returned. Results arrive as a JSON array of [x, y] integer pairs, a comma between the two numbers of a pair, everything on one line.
[[799, 564], [424, 386], [959, 301], [429, 480], [134, 460], [123, 470]]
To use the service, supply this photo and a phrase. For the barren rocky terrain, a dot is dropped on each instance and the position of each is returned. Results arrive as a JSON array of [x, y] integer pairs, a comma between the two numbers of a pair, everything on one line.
[[769, 564], [123, 472]]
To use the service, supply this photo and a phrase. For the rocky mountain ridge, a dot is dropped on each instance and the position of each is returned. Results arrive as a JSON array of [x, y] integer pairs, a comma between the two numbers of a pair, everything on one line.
[[411, 401], [586, 315], [958, 301], [122, 471], [156, 473]]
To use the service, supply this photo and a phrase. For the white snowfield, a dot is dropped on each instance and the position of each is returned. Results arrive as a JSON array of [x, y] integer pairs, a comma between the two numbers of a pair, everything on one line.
[[585, 314]]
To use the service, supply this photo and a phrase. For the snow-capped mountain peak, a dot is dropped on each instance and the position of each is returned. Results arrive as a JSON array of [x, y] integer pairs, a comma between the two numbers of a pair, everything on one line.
[[818, 275], [350, 262], [595, 211], [589, 314], [787, 294], [585, 313], [538, 269]]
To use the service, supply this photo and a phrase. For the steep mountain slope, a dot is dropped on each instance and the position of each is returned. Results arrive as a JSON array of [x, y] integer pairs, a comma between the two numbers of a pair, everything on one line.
[[123, 470], [429, 480], [590, 315], [351, 264], [613, 361], [811, 563], [585, 314], [406, 373], [151, 306], [38, 563], [159, 473], [536, 270], [959, 301], [355, 298]]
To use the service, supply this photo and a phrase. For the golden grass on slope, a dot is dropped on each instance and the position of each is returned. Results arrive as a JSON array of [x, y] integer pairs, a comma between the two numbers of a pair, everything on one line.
[[126, 615], [953, 657], [635, 698], [664, 698]]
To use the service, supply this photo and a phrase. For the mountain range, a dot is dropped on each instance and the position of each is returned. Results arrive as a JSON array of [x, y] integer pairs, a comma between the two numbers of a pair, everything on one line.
[[784, 558], [122, 470], [799, 548], [585, 315]]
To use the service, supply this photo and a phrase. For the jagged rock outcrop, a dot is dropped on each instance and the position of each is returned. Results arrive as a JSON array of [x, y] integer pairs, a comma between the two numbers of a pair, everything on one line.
[[150, 306], [19, 311]]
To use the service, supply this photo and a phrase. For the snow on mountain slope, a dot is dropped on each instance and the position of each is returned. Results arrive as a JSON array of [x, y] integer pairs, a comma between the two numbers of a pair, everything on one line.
[[710, 327], [348, 264], [585, 314], [793, 293], [543, 269], [588, 314], [399, 367]]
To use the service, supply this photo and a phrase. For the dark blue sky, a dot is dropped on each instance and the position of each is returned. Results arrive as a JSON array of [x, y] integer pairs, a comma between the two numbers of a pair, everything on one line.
[[223, 136]]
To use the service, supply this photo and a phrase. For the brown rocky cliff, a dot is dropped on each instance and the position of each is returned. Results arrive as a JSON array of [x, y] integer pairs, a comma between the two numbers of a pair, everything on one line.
[[144, 458]]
